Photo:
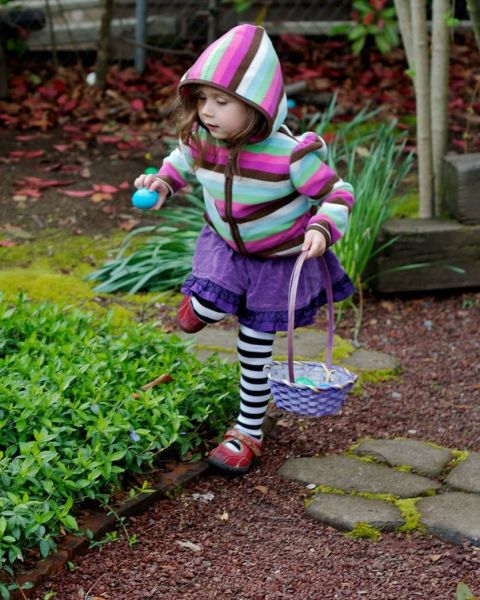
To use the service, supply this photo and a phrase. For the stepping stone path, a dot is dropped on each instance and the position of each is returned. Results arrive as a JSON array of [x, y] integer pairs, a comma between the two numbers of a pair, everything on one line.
[[349, 489], [309, 344]]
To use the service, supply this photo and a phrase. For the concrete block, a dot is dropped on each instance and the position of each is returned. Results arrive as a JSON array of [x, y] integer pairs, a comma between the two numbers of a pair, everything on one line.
[[461, 187]]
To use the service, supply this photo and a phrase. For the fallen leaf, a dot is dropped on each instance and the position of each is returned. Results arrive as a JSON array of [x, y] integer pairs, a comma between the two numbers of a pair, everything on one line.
[[137, 104], [77, 193], [435, 557], [37, 182], [25, 138], [189, 545], [129, 225], [262, 488], [99, 197], [29, 193], [34, 153], [105, 188], [387, 305], [224, 516]]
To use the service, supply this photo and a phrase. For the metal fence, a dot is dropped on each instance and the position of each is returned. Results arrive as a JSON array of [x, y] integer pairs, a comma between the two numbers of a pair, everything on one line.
[[74, 24], [173, 24]]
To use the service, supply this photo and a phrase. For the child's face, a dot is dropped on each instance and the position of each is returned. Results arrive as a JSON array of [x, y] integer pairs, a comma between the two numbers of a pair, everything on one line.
[[223, 115]]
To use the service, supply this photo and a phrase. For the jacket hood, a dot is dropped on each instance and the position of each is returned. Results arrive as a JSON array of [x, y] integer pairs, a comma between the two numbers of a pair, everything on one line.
[[243, 62]]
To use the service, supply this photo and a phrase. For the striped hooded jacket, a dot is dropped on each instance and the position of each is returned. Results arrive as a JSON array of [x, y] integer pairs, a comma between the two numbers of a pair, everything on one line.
[[283, 186]]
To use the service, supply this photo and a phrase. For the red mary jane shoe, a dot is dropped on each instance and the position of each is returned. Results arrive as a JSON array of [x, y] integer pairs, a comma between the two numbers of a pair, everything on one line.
[[232, 461], [187, 319]]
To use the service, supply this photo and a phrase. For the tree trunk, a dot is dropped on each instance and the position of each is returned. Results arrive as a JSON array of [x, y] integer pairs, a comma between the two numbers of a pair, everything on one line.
[[422, 97], [439, 94], [103, 54], [474, 12], [404, 17]]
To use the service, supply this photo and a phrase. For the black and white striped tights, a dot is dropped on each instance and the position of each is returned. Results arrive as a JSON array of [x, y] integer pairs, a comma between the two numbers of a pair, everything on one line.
[[254, 351]]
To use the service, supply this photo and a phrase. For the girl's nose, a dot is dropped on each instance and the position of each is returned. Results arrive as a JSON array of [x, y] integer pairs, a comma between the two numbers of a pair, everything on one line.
[[207, 109]]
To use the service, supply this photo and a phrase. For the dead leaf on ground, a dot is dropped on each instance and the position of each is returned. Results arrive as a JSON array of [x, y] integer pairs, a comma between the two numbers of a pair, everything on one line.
[[129, 225], [100, 197], [388, 305], [189, 545]]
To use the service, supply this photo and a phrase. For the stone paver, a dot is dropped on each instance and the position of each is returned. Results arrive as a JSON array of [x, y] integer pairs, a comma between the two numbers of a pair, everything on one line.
[[309, 344], [370, 360], [351, 474], [454, 517], [422, 457], [466, 475], [451, 515], [344, 512]]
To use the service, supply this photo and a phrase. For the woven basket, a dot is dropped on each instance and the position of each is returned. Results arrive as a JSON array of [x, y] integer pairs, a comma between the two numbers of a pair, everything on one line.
[[330, 383]]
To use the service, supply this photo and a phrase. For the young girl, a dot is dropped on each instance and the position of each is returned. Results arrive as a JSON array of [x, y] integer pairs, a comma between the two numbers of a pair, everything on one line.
[[268, 196]]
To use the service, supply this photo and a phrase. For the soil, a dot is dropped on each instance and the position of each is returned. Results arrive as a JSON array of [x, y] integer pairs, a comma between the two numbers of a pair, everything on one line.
[[93, 165]]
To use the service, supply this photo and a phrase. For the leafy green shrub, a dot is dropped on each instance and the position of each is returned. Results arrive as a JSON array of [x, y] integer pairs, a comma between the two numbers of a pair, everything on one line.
[[70, 427], [373, 22]]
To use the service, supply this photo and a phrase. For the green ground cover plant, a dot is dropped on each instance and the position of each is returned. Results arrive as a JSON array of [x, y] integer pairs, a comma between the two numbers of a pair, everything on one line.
[[74, 421]]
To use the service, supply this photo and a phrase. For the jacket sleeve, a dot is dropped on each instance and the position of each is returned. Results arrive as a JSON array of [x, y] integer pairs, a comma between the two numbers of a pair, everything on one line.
[[175, 168], [315, 179]]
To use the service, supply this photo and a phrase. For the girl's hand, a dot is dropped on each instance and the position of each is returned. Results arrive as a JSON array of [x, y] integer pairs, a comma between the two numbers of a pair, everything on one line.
[[153, 183], [315, 243]]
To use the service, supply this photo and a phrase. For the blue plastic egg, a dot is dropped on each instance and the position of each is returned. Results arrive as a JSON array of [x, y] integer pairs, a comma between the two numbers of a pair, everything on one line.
[[144, 198]]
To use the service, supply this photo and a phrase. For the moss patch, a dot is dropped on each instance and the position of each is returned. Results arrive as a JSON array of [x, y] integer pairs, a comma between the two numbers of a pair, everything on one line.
[[53, 267], [57, 252], [41, 285], [458, 457], [364, 531], [406, 206], [408, 508]]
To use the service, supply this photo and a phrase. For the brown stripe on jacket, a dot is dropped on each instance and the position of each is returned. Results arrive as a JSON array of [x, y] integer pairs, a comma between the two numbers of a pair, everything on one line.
[[250, 173], [301, 152], [267, 208], [249, 56], [327, 188]]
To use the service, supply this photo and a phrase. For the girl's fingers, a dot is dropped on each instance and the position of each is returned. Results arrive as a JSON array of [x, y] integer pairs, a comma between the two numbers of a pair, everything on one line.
[[139, 182]]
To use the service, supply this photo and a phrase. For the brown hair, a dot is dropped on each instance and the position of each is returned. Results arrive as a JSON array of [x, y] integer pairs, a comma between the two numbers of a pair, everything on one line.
[[188, 123]]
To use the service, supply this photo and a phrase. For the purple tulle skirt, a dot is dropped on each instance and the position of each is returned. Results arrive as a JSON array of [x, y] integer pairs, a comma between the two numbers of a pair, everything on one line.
[[256, 289]]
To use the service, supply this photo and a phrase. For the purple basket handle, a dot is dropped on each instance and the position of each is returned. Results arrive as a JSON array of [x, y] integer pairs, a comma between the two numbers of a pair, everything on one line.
[[292, 298]]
